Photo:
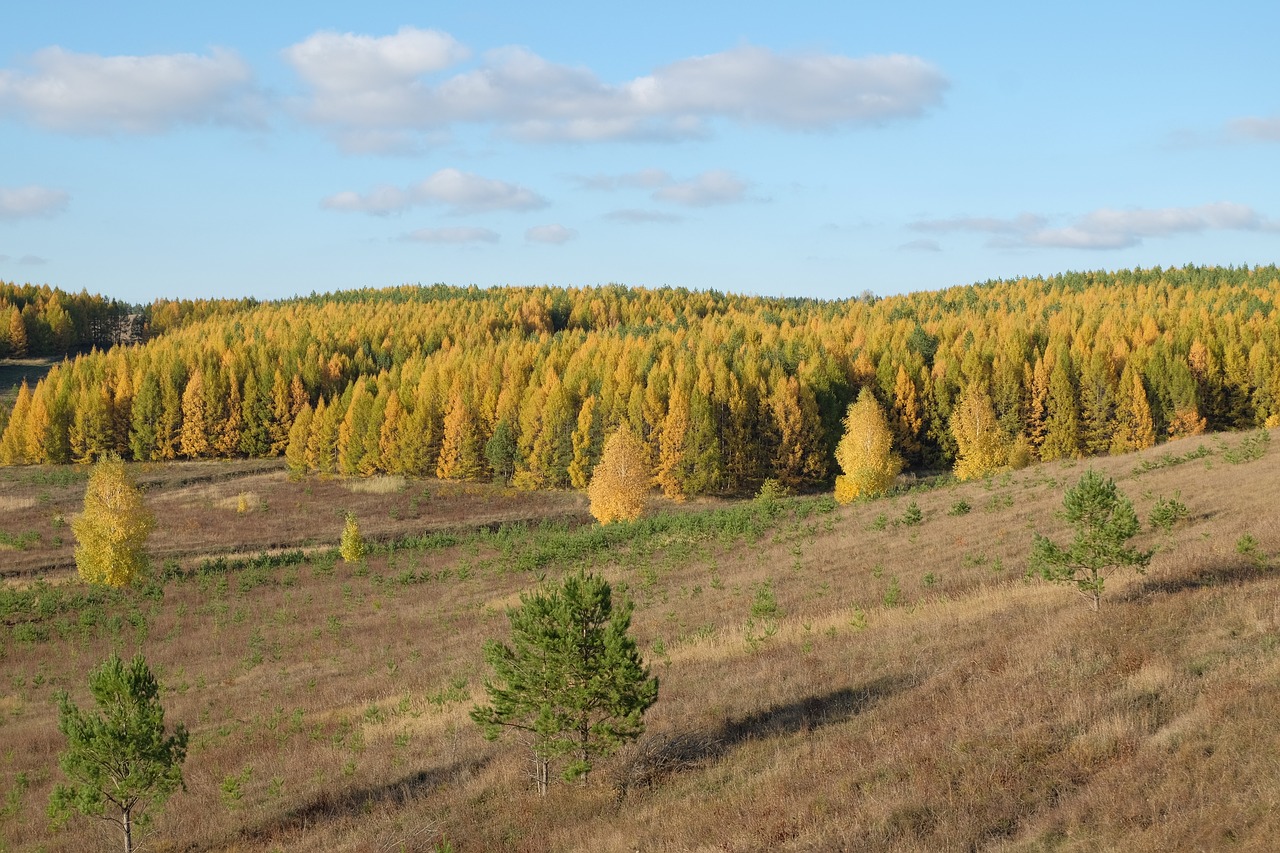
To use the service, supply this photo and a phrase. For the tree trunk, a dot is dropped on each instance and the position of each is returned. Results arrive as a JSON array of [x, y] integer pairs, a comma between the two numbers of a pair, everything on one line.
[[128, 830], [543, 774]]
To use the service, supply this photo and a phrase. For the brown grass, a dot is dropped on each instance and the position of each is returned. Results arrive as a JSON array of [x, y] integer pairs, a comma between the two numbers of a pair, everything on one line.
[[981, 711]]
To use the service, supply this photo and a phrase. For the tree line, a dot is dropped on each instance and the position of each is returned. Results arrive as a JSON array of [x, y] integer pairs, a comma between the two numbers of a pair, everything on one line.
[[525, 384]]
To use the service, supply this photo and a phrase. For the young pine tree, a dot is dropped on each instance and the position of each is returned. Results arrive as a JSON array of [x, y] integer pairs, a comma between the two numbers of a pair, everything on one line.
[[1104, 521], [865, 453], [572, 681], [120, 761], [113, 528]]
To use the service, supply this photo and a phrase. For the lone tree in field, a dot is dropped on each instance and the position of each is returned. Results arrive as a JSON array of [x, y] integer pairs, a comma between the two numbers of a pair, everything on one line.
[[1104, 522], [352, 546], [865, 453], [113, 528], [571, 682], [120, 761], [620, 482]]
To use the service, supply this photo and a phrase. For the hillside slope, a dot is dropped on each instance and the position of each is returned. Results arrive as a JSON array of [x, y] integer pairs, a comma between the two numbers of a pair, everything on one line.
[[831, 678]]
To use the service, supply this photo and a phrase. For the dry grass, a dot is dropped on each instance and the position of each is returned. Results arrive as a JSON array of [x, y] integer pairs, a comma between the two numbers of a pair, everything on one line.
[[978, 710]]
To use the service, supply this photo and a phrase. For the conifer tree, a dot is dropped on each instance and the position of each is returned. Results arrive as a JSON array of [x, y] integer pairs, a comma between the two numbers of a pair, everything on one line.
[[865, 453], [673, 462], [620, 483], [15, 442], [502, 452], [1104, 521], [351, 546], [587, 436], [572, 682], [120, 761], [112, 530], [193, 439], [144, 419], [906, 421], [17, 333], [1135, 429], [295, 453], [1062, 434], [981, 445], [460, 448]]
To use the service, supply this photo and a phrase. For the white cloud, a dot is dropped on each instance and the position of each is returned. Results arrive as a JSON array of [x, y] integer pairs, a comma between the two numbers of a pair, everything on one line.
[[88, 93], [452, 235], [462, 192], [920, 246], [632, 216], [1254, 128], [32, 260], [644, 179], [1106, 228], [361, 83], [554, 234], [22, 202], [714, 187]]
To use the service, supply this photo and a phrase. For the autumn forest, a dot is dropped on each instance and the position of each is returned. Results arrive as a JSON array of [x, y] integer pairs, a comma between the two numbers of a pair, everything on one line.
[[525, 384]]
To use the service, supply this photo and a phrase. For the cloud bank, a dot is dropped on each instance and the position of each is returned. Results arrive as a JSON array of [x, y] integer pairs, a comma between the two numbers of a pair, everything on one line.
[[1105, 228], [24, 202], [462, 192], [364, 87], [91, 94]]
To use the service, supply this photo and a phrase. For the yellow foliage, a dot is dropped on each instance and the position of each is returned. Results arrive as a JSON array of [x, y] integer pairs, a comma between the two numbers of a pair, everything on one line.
[[619, 486], [865, 453], [352, 544], [113, 528], [982, 446]]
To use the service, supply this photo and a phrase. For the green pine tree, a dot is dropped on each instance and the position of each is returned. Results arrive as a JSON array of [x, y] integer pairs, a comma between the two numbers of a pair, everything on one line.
[[572, 680], [120, 761]]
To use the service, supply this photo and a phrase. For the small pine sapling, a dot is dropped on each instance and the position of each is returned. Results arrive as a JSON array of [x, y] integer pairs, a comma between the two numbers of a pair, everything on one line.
[[1104, 521]]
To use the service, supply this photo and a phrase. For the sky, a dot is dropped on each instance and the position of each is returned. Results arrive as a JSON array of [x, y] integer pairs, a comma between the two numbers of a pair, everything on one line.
[[822, 149]]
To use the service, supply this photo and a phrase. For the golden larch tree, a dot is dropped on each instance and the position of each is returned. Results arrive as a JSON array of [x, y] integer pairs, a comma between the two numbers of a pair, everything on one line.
[[194, 437], [981, 444], [619, 487], [865, 452], [113, 528]]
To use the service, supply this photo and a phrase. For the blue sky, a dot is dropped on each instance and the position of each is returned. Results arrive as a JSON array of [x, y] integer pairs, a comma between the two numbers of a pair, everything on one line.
[[270, 149]]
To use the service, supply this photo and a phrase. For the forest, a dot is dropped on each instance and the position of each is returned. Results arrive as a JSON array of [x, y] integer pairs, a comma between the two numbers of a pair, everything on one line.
[[524, 384]]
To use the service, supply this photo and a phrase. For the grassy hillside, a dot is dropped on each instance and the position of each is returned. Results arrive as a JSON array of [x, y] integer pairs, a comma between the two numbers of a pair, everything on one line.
[[832, 677]]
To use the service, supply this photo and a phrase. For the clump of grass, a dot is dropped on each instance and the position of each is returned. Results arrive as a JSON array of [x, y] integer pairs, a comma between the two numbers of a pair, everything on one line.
[[384, 485]]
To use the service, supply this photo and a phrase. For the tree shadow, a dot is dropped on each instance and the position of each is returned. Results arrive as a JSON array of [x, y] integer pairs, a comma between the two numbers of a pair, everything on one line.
[[659, 755], [328, 806], [1218, 573]]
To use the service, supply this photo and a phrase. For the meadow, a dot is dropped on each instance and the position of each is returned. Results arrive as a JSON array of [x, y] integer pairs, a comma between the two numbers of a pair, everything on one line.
[[881, 676]]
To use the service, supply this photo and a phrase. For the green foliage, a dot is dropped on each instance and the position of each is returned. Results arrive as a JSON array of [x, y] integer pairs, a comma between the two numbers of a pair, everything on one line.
[[120, 761], [912, 516], [1248, 547], [1167, 512], [1104, 522], [352, 547], [572, 680], [1251, 447], [960, 507], [765, 603]]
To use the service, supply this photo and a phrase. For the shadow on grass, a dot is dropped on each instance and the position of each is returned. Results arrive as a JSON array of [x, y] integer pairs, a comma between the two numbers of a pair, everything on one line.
[[659, 755], [1227, 572], [329, 806]]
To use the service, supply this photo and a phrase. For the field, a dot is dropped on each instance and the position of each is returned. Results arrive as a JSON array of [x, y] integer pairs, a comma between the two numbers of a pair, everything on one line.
[[832, 678]]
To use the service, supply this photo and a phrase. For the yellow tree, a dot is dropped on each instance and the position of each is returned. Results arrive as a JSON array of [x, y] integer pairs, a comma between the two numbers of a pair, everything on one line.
[[865, 453], [982, 446], [194, 437], [113, 528], [586, 444], [907, 420], [1135, 429], [619, 486], [672, 445], [460, 449], [15, 444]]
